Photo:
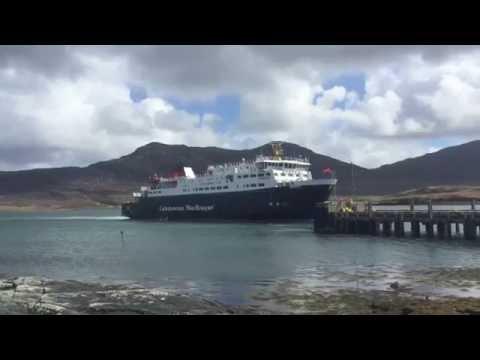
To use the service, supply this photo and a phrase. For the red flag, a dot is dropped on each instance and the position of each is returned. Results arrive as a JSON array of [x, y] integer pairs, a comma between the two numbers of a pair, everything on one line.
[[327, 171]]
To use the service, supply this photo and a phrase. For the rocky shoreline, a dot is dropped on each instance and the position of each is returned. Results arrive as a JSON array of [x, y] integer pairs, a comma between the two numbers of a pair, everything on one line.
[[31, 295]]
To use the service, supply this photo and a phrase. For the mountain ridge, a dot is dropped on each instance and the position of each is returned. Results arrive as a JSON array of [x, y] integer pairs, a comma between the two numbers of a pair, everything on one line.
[[110, 180]]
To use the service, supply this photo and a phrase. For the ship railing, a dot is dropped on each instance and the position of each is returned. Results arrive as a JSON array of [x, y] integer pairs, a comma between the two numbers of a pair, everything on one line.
[[287, 158]]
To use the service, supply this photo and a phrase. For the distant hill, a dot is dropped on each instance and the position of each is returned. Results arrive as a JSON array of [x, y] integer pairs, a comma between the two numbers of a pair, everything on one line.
[[452, 166], [110, 182]]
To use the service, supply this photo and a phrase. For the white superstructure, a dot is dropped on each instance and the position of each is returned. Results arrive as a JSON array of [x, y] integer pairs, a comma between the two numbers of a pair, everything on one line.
[[264, 172]]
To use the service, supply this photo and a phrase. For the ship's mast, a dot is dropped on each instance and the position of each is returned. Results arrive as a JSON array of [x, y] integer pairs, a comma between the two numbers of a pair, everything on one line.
[[277, 150]]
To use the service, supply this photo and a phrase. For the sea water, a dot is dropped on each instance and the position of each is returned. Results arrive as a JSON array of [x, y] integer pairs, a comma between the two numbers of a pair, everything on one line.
[[229, 262]]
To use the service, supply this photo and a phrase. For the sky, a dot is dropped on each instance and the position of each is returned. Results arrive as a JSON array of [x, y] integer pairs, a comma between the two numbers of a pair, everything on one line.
[[373, 105]]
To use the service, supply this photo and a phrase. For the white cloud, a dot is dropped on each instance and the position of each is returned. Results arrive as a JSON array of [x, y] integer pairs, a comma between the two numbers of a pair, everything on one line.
[[71, 105]]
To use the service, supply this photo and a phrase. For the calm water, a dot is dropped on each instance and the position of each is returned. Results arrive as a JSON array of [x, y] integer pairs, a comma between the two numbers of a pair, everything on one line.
[[228, 262]]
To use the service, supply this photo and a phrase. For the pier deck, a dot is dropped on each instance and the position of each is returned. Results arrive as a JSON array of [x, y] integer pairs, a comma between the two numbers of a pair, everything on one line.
[[443, 224]]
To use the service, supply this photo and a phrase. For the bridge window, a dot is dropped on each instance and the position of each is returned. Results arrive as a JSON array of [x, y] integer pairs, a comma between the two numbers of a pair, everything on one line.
[[253, 185], [219, 188], [253, 175], [261, 185], [245, 176]]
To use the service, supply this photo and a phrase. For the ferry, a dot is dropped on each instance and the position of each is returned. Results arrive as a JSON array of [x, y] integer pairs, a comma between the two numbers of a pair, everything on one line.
[[269, 188]]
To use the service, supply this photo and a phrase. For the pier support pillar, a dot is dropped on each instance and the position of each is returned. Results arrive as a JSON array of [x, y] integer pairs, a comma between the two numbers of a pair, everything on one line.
[[469, 229], [441, 230], [457, 228], [399, 228], [387, 228], [322, 222], [429, 228], [363, 227], [415, 229], [373, 227], [338, 222], [449, 230], [351, 226], [338, 225], [344, 226]]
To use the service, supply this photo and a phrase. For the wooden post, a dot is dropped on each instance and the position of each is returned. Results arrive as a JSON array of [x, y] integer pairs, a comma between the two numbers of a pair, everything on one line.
[[472, 203], [369, 209], [412, 206], [457, 228], [430, 209]]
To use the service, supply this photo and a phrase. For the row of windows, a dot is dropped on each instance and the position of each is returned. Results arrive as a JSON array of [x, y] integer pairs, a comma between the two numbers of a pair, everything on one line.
[[254, 175], [283, 174], [208, 188], [253, 185], [224, 187]]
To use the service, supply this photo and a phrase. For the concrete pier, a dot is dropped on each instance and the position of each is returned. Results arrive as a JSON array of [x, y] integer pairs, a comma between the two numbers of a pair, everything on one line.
[[387, 223]]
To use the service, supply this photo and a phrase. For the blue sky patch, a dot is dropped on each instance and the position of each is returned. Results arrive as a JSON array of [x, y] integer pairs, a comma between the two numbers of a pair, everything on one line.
[[350, 81], [225, 106], [138, 93]]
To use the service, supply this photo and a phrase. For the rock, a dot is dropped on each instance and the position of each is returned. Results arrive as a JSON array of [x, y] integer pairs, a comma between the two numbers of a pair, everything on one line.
[[395, 285], [381, 307], [7, 285], [469, 312], [407, 311], [49, 309]]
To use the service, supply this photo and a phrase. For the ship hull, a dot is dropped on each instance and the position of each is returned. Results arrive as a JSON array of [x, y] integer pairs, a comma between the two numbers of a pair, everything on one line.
[[282, 203]]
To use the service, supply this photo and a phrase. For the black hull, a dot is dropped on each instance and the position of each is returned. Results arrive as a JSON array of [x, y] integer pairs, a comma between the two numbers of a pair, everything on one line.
[[282, 203]]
